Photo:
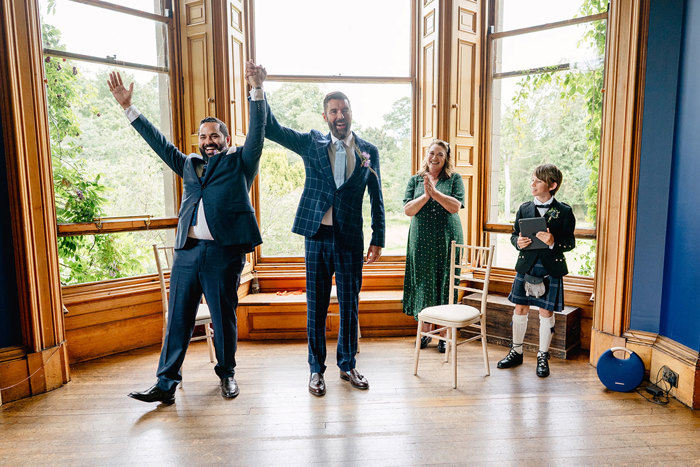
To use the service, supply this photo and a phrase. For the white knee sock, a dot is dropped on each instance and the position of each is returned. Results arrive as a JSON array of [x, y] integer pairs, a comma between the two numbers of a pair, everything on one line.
[[519, 329], [546, 332]]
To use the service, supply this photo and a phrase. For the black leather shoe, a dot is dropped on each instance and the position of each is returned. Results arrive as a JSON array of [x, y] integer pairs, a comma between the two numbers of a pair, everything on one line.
[[542, 364], [442, 345], [424, 341], [229, 387], [317, 385], [511, 360], [154, 394], [356, 379]]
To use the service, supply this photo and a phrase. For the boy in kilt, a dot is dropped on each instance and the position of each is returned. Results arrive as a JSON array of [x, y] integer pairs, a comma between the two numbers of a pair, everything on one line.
[[548, 264]]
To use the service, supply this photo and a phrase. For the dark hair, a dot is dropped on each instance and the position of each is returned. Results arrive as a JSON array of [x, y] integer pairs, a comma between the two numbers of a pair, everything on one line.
[[222, 126], [549, 173], [334, 95], [447, 169]]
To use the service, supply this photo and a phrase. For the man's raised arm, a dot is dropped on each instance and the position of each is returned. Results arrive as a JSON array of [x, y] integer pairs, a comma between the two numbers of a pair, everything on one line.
[[252, 149], [164, 148]]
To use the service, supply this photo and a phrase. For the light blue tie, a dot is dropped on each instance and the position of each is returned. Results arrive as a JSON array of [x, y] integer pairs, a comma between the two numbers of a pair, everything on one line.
[[339, 167]]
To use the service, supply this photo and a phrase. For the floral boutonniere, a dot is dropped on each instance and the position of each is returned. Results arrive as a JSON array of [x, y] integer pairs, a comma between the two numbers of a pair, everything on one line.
[[552, 213], [364, 157]]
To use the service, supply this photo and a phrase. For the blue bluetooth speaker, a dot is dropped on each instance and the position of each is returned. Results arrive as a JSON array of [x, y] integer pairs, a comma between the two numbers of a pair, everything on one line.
[[620, 374]]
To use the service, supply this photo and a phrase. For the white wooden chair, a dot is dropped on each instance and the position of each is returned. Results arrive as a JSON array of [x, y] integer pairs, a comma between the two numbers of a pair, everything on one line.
[[468, 263], [164, 262]]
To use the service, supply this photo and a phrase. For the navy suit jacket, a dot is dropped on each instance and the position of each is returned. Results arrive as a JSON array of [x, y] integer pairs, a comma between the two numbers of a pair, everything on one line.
[[223, 189], [320, 192], [561, 223]]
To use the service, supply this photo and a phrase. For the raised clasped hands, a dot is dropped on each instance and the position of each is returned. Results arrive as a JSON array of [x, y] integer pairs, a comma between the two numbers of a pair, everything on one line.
[[255, 74], [120, 93]]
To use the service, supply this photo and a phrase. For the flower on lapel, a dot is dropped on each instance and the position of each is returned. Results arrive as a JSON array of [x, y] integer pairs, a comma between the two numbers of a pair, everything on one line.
[[364, 158], [552, 213]]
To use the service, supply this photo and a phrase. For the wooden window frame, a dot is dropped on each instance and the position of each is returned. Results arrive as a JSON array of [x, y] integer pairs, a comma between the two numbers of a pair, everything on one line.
[[132, 223], [388, 266], [488, 77]]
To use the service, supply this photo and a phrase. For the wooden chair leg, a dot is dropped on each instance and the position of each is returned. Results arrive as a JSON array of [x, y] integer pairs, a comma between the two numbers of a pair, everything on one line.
[[485, 349], [453, 344], [417, 351], [210, 342]]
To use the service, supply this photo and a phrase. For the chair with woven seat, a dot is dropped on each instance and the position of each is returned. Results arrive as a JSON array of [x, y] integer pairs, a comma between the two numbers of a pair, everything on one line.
[[164, 261], [473, 265]]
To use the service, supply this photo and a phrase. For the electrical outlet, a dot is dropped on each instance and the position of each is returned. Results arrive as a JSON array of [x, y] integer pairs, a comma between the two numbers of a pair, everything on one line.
[[670, 376]]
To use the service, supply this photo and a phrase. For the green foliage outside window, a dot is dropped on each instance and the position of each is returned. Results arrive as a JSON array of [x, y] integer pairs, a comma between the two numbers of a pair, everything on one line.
[[83, 119]]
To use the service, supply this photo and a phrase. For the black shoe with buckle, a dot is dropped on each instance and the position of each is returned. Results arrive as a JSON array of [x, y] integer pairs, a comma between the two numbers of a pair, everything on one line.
[[424, 341], [542, 364], [511, 360], [442, 345]]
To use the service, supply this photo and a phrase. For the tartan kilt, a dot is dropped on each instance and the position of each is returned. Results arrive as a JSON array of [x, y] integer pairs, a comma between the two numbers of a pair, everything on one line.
[[553, 298]]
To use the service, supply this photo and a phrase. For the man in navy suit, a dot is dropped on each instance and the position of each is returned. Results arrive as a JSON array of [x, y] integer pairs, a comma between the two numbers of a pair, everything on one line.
[[339, 167], [216, 228]]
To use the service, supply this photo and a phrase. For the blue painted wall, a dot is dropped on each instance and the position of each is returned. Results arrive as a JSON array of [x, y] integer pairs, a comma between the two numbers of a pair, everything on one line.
[[680, 307], [658, 124], [10, 331], [666, 282]]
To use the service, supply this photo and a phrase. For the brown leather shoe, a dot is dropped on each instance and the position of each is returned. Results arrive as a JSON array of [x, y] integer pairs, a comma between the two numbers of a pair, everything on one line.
[[356, 379], [317, 386]]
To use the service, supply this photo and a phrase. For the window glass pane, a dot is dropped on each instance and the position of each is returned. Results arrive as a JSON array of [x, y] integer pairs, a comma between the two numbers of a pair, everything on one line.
[[91, 258], [542, 118], [381, 115], [334, 37], [580, 260], [102, 167], [566, 45], [98, 32], [516, 14]]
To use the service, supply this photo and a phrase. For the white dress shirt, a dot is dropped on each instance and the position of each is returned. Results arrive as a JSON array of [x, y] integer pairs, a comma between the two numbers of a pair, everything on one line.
[[349, 167], [541, 208]]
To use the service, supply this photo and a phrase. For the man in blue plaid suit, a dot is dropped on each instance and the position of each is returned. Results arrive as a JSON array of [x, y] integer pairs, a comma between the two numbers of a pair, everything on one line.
[[339, 166]]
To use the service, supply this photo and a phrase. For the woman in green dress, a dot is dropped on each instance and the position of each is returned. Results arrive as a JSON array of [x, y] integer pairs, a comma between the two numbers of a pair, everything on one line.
[[433, 198]]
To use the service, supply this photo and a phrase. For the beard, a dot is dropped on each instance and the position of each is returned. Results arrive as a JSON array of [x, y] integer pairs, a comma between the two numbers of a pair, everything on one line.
[[340, 133], [217, 149]]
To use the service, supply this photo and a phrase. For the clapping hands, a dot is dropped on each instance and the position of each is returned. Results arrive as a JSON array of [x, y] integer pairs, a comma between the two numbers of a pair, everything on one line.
[[428, 187]]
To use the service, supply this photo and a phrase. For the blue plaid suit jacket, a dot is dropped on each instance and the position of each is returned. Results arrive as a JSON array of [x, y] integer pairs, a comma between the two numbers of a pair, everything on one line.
[[320, 192]]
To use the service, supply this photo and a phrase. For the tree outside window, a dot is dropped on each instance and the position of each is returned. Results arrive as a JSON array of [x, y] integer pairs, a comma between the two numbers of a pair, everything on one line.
[[546, 80], [102, 169]]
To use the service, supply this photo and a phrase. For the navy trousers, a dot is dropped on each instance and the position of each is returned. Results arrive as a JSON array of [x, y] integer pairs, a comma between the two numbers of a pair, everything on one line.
[[201, 267], [323, 259]]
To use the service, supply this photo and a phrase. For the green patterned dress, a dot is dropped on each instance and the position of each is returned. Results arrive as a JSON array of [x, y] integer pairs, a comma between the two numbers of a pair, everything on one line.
[[426, 282]]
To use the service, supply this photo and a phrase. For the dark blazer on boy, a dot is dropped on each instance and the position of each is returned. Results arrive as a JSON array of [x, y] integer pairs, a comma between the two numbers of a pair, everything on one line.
[[561, 223]]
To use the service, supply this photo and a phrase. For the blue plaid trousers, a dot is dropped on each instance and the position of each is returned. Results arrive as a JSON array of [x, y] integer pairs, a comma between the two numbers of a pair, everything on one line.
[[323, 259]]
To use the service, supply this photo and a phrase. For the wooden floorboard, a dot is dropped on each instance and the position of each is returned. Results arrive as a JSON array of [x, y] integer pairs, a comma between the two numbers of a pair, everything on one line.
[[509, 418]]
